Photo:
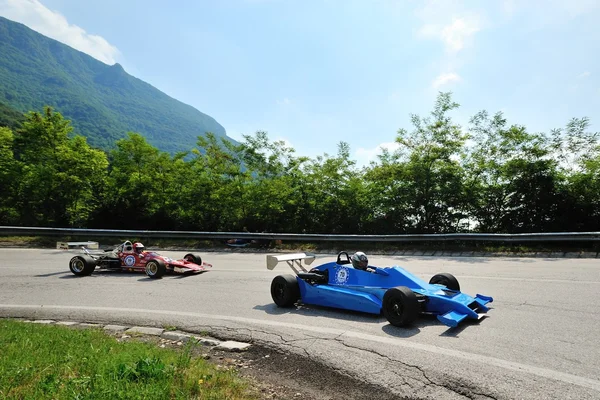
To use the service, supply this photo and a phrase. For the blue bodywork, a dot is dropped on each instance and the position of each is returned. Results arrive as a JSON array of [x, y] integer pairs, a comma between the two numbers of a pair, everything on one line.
[[358, 290]]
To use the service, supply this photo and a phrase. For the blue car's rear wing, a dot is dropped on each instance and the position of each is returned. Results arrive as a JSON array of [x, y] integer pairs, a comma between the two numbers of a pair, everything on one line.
[[293, 260]]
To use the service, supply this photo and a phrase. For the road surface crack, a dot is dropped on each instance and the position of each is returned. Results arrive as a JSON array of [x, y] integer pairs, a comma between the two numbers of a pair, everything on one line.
[[461, 388]]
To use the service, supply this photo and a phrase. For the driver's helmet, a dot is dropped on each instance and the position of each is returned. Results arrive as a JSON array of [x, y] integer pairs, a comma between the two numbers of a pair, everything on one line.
[[360, 260], [138, 247]]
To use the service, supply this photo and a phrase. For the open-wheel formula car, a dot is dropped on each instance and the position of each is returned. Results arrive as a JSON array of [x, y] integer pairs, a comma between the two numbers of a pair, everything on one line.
[[134, 257], [393, 291]]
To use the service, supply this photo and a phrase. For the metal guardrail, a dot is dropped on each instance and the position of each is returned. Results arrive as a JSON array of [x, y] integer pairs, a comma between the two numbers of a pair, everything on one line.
[[481, 237]]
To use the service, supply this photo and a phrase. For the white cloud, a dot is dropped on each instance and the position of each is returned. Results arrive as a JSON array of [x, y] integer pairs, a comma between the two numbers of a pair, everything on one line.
[[584, 75], [444, 79], [54, 25], [456, 34], [459, 31], [454, 24], [365, 156], [284, 102]]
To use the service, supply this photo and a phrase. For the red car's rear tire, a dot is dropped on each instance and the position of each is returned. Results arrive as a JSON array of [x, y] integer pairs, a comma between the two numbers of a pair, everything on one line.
[[82, 265]]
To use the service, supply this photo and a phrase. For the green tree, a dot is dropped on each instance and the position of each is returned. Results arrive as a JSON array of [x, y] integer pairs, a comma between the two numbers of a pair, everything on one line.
[[431, 185], [138, 185], [273, 197], [59, 174], [216, 185], [335, 194], [387, 183], [513, 182], [578, 152], [584, 193], [8, 179]]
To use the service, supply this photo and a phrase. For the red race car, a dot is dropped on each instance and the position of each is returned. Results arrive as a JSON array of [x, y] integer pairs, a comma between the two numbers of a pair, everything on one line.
[[134, 257]]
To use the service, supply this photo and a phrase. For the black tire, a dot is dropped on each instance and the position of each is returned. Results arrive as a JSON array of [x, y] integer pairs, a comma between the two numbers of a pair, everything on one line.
[[400, 306], [82, 265], [445, 279], [285, 290], [155, 269], [195, 258]]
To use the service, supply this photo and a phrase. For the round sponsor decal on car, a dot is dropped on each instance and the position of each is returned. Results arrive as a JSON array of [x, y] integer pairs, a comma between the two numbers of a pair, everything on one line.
[[341, 276], [129, 260]]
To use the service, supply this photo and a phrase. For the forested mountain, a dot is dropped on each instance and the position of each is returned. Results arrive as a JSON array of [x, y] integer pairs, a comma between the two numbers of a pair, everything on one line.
[[103, 102], [9, 117]]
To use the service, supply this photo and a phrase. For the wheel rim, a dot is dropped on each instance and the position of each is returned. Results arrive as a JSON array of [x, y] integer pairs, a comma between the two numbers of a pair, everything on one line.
[[395, 308], [151, 268], [77, 265], [279, 291]]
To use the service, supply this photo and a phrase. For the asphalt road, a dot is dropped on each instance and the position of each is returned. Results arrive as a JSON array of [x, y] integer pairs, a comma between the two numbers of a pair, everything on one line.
[[541, 339]]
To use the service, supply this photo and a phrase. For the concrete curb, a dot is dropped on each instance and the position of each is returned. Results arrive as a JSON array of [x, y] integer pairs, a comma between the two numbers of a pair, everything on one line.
[[178, 337]]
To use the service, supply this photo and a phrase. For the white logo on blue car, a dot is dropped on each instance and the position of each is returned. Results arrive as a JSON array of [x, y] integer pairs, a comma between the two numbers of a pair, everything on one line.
[[341, 276]]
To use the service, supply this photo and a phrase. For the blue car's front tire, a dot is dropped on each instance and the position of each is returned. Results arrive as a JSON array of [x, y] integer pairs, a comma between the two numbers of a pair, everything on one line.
[[285, 290], [445, 279], [400, 306]]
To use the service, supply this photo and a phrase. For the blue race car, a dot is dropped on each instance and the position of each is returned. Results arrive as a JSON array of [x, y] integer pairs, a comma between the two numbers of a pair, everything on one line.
[[393, 291]]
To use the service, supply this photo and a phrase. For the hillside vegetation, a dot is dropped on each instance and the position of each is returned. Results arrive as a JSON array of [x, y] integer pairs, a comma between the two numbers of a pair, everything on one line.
[[103, 102], [10, 117]]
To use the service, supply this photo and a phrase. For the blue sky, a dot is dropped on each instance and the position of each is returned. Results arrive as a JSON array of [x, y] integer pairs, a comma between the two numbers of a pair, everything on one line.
[[317, 72]]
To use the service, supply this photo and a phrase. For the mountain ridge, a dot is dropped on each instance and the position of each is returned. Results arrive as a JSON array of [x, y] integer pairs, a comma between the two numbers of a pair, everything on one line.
[[103, 101]]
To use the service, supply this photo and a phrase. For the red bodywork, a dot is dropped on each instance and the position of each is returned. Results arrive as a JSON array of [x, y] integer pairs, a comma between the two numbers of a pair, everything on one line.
[[137, 262]]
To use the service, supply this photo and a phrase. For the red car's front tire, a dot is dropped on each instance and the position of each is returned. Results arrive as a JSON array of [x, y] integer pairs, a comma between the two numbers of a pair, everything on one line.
[[194, 258], [155, 269]]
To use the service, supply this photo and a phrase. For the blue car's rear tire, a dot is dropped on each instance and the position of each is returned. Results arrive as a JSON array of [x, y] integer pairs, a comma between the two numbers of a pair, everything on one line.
[[400, 306], [285, 290], [445, 279]]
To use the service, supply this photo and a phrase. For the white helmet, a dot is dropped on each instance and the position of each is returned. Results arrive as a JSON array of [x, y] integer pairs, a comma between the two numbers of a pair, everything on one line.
[[360, 260]]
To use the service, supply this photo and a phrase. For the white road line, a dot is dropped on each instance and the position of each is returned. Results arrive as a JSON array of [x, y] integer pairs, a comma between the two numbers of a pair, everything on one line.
[[503, 278], [471, 357]]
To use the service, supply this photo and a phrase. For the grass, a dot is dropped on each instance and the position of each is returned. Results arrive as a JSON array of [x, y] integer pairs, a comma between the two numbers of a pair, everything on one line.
[[56, 362], [169, 328]]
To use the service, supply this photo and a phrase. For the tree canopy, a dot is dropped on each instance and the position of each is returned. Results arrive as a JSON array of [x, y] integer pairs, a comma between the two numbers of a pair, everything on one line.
[[491, 176]]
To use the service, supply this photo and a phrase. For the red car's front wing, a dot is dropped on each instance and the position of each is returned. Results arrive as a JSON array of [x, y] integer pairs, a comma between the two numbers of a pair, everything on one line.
[[186, 267]]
